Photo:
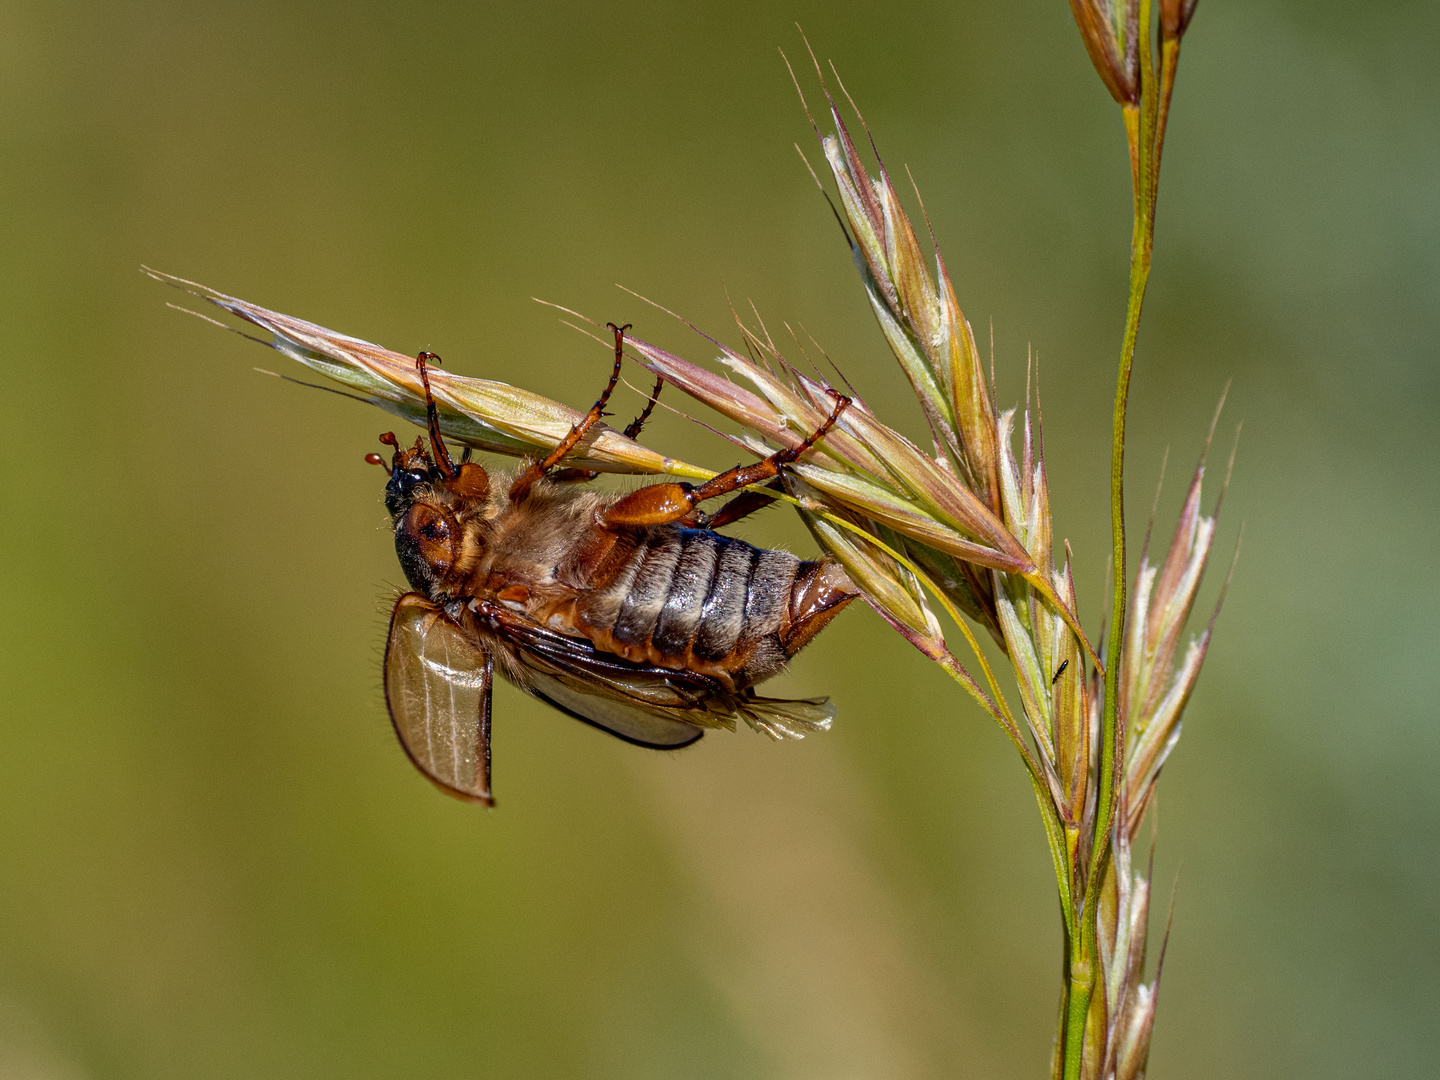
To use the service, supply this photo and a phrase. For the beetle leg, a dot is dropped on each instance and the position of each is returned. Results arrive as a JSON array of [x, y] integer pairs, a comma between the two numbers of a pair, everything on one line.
[[633, 429], [659, 504], [742, 506], [573, 476], [537, 470], [467, 479], [432, 417]]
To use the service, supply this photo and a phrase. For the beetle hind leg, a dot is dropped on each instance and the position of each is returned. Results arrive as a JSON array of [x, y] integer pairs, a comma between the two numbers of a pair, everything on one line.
[[660, 504]]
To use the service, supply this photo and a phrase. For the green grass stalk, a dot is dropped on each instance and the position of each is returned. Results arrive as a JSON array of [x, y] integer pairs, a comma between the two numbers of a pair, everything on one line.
[[1144, 127]]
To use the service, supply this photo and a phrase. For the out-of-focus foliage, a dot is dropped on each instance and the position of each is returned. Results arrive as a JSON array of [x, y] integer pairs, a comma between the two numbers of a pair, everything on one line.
[[216, 861]]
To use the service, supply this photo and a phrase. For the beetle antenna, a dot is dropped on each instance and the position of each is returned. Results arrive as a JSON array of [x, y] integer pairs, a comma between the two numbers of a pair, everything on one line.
[[389, 439]]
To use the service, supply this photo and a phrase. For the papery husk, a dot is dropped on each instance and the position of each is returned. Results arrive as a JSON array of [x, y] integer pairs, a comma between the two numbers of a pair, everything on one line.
[[481, 413]]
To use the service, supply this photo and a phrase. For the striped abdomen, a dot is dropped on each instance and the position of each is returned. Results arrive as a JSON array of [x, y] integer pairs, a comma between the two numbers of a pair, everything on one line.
[[693, 599]]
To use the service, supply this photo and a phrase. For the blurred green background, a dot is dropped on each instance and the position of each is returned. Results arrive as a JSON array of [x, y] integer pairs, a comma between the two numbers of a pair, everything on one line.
[[214, 860]]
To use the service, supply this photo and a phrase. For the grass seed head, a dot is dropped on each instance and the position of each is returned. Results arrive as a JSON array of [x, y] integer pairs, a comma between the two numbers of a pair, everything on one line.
[[1175, 16], [918, 314], [1110, 30], [862, 465], [491, 416], [1156, 680]]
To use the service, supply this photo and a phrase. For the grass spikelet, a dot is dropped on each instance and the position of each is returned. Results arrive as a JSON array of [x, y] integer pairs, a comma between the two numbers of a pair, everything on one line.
[[491, 416]]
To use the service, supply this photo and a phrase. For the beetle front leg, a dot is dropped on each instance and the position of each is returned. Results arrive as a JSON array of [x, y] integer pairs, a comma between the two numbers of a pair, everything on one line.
[[539, 469]]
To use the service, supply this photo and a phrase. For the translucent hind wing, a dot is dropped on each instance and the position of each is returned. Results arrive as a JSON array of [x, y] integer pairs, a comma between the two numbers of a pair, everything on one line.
[[654, 727], [787, 719], [643, 704]]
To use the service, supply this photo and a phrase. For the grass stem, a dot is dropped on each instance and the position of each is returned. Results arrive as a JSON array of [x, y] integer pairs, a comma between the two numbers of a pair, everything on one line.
[[1144, 128]]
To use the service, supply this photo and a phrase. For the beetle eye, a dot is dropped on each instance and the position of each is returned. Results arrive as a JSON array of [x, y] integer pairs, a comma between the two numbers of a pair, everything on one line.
[[398, 490], [425, 542]]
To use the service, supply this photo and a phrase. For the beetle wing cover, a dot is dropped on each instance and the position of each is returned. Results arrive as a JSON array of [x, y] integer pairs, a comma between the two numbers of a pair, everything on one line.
[[437, 686]]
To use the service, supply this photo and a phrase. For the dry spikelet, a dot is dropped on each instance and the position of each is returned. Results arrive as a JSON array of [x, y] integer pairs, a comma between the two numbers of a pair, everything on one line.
[[862, 464], [1175, 16], [935, 348], [1110, 29], [480, 413], [1154, 688], [1154, 691], [917, 313]]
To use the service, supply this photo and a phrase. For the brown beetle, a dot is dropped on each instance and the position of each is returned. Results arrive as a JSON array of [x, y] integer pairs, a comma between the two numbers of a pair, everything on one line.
[[628, 611]]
